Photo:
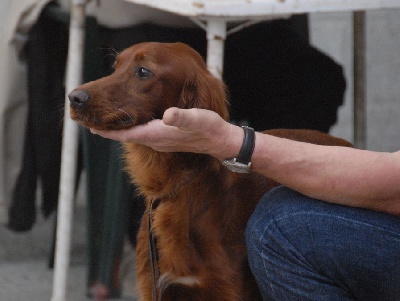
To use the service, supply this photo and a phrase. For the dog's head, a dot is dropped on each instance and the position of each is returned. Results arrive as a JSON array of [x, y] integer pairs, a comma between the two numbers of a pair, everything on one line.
[[148, 79]]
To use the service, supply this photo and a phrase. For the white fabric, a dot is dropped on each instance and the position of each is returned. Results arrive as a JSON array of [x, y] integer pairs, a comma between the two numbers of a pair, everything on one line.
[[118, 13]]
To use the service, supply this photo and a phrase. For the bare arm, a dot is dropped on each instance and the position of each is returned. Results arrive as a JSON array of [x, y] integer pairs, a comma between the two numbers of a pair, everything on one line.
[[335, 174]]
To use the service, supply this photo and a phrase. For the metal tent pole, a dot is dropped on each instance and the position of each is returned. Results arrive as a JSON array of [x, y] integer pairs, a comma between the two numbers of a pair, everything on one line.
[[359, 80], [216, 35], [68, 154]]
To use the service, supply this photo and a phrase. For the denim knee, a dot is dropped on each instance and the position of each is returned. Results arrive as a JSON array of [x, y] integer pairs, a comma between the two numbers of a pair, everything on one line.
[[276, 204], [304, 249], [268, 247]]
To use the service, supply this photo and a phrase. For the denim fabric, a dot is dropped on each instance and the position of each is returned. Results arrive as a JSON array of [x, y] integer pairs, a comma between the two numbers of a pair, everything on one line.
[[304, 249]]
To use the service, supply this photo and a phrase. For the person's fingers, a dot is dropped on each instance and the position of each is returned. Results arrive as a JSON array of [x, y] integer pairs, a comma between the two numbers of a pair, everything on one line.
[[114, 135], [136, 134]]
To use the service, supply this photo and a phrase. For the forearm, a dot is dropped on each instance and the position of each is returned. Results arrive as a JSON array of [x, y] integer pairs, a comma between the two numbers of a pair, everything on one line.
[[336, 174]]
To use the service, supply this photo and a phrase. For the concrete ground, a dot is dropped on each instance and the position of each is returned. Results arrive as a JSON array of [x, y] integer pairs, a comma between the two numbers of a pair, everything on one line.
[[24, 272]]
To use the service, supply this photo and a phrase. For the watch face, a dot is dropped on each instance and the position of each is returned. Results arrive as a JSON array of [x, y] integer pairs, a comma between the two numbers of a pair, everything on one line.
[[235, 166]]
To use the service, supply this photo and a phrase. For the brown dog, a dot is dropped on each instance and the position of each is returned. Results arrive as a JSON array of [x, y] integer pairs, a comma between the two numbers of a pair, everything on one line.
[[191, 243]]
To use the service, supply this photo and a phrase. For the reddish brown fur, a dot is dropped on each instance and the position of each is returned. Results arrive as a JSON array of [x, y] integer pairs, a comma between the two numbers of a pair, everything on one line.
[[204, 208]]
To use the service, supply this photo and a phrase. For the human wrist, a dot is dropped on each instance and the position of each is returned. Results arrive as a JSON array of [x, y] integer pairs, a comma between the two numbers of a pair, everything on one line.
[[241, 163], [228, 144]]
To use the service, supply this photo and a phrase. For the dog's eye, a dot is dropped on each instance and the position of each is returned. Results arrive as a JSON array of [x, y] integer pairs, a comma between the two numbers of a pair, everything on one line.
[[143, 73]]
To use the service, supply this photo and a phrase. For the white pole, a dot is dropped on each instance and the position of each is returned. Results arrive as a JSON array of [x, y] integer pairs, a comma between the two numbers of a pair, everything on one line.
[[68, 154], [216, 35]]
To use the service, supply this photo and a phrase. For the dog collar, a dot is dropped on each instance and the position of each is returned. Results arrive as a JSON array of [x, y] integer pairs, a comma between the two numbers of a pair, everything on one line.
[[242, 162]]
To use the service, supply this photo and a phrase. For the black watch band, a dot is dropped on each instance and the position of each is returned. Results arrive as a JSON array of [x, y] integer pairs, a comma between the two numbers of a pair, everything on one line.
[[247, 148], [242, 162]]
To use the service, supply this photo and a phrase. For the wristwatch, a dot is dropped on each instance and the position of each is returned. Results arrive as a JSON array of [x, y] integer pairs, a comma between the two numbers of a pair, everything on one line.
[[242, 162]]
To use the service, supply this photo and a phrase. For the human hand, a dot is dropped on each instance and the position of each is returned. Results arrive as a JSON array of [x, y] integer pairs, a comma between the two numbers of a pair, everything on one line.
[[184, 130]]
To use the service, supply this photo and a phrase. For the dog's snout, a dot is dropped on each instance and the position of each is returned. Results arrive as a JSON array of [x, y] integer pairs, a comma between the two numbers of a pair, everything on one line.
[[78, 98]]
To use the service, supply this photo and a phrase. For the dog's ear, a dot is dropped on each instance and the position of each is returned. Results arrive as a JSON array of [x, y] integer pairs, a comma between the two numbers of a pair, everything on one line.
[[204, 91]]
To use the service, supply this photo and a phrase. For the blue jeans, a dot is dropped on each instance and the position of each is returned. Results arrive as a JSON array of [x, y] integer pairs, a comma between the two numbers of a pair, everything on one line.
[[304, 249]]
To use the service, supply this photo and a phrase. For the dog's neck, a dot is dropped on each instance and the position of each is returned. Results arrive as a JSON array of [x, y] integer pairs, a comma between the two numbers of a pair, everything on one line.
[[160, 175]]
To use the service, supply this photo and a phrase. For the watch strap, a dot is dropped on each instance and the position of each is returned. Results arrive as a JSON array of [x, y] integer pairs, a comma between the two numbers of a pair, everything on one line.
[[246, 151]]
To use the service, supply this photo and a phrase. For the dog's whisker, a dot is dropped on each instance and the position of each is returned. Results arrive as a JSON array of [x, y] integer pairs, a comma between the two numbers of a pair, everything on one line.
[[126, 113], [110, 111]]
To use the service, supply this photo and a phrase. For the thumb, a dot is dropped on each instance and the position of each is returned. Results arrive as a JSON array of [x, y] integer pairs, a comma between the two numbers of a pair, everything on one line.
[[183, 118]]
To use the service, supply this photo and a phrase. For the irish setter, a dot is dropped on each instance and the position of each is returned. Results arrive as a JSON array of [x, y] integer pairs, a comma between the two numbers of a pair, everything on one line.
[[191, 243]]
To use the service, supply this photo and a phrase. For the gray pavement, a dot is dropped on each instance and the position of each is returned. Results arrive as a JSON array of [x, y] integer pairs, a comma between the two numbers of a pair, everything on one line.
[[24, 272]]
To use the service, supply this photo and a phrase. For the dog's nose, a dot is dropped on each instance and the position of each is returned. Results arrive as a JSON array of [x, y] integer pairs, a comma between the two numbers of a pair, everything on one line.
[[78, 98]]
